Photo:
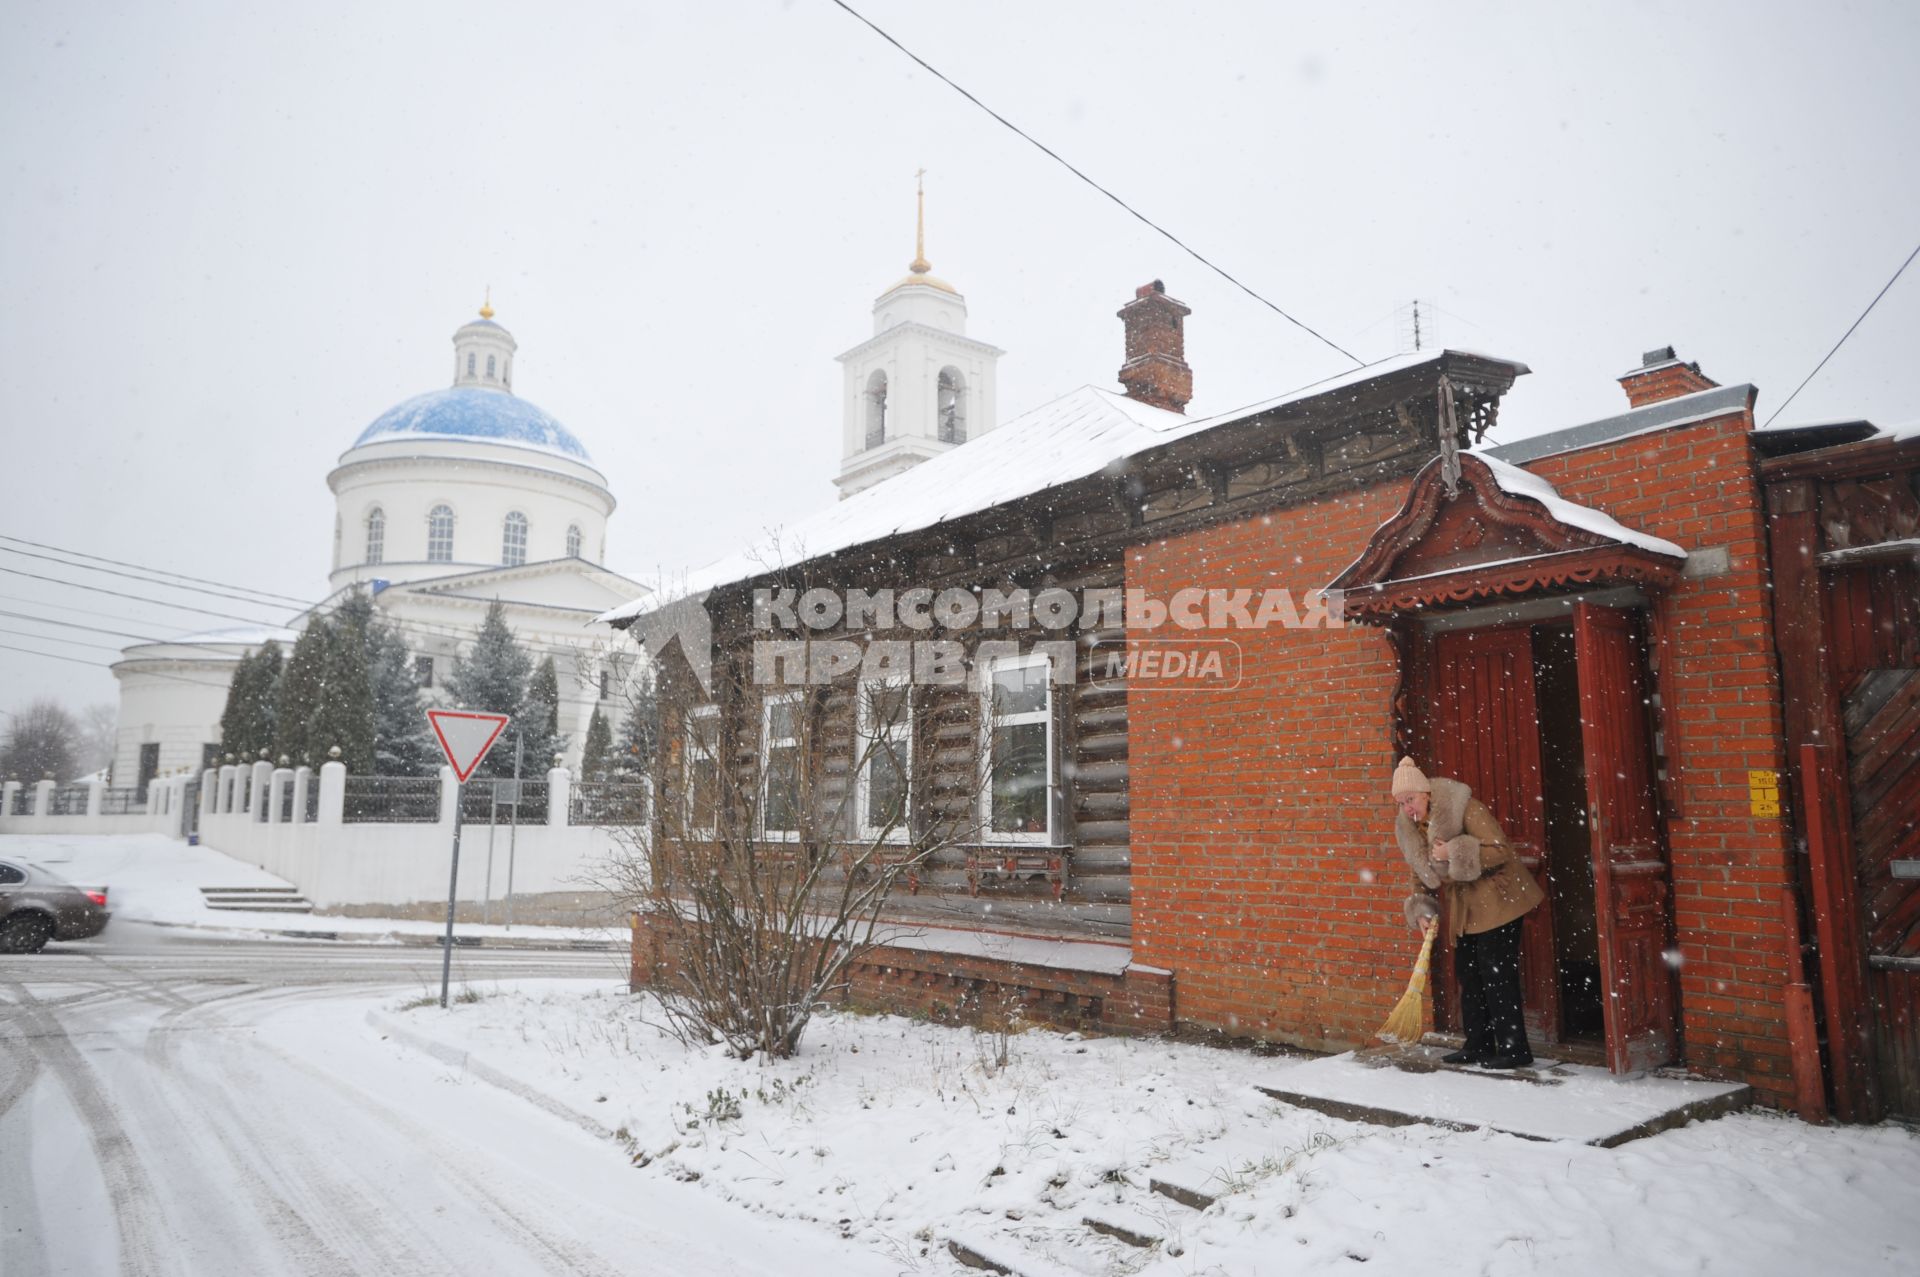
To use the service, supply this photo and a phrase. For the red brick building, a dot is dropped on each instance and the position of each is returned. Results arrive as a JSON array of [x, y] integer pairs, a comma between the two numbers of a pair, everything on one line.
[[1580, 625]]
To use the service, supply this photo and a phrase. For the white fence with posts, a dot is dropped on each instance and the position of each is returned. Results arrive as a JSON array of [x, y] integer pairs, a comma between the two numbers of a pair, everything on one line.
[[96, 808], [371, 840]]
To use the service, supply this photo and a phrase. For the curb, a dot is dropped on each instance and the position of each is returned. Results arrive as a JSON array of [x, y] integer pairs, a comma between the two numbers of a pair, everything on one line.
[[408, 939], [480, 1070]]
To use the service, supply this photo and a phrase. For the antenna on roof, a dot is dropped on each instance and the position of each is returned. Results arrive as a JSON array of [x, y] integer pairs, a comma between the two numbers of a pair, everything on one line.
[[1416, 329]]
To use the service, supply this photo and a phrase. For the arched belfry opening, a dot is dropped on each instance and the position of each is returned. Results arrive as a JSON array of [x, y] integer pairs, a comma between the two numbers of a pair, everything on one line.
[[950, 406], [876, 409]]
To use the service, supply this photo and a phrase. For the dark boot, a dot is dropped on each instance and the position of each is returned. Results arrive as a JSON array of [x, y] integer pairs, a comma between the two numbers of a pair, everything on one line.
[[1465, 1055], [1511, 1060]]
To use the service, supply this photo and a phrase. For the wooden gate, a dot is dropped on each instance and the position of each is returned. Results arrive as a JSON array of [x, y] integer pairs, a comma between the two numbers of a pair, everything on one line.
[[1484, 732], [1882, 722], [1632, 884]]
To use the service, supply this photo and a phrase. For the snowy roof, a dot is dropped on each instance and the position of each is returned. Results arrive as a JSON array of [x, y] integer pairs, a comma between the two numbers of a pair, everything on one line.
[[467, 412], [1073, 437], [1076, 435], [1665, 414], [1523, 483]]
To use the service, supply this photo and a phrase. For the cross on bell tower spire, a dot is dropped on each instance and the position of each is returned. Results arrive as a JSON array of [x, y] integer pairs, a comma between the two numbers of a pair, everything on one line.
[[920, 265]]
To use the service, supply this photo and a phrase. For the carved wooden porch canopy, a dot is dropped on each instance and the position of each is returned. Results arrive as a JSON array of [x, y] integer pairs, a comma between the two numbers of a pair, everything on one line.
[[1483, 542]]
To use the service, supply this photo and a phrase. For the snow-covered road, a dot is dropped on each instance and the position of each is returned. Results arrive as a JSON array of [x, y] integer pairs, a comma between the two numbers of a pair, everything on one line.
[[194, 1108]]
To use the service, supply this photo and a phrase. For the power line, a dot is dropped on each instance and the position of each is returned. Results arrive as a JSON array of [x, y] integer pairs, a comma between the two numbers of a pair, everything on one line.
[[134, 576], [1059, 159], [1843, 336], [137, 598], [55, 638], [81, 554]]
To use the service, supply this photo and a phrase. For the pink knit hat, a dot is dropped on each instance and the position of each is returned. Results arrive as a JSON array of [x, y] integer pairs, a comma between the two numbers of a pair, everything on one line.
[[1409, 779]]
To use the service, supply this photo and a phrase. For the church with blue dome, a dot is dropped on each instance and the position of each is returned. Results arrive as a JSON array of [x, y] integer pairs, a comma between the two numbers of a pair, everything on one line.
[[445, 503]]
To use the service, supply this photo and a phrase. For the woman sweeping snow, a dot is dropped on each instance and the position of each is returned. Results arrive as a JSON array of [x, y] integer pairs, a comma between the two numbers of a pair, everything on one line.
[[1455, 847]]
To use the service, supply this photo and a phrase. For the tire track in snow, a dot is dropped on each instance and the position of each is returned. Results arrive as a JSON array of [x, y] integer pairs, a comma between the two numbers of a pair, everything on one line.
[[323, 1216], [135, 1208]]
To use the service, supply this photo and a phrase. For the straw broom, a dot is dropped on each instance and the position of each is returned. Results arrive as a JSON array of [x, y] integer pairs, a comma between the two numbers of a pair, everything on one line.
[[1405, 1020]]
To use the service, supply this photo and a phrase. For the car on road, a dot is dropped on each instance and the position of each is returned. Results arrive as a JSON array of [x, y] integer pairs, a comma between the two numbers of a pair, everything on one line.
[[37, 905]]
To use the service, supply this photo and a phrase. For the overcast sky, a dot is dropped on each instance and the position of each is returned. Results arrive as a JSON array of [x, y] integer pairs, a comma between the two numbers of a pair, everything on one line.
[[231, 236]]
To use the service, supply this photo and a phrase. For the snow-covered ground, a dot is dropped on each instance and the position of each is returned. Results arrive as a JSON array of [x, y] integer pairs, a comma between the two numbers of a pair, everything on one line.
[[900, 1136], [155, 879]]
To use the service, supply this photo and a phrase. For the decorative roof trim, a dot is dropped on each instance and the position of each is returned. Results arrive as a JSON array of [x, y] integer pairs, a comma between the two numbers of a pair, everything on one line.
[[1570, 556]]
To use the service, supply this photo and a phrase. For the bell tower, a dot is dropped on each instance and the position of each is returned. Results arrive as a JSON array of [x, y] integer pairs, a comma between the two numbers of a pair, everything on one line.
[[919, 386]]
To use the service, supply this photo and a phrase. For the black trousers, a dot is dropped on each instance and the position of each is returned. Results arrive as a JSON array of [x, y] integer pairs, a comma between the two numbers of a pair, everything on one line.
[[1488, 968]]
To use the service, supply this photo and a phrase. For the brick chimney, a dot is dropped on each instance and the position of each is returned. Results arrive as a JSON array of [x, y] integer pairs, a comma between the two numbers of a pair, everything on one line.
[[1662, 376], [1156, 370]]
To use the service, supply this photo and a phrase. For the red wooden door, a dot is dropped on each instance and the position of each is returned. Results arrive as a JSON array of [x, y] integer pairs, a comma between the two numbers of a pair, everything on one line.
[[1632, 890], [1485, 733]]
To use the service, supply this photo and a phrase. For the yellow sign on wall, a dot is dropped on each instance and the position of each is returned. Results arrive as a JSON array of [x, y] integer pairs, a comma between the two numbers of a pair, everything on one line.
[[1763, 789]]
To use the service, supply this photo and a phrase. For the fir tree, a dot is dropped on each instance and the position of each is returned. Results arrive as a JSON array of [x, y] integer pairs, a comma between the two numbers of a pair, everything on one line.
[[640, 733], [596, 755], [540, 719], [247, 721], [297, 702], [492, 679], [402, 742], [344, 716]]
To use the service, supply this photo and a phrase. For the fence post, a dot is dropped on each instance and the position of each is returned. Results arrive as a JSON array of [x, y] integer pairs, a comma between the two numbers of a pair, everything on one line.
[[223, 791], [302, 781], [559, 805], [209, 791], [176, 825], [43, 798], [7, 791], [262, 778], [96, 788], [276, 791], [333, 792]]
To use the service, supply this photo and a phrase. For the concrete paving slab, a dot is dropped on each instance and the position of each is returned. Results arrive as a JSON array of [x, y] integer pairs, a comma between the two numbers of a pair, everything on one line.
[[1551, 1101]]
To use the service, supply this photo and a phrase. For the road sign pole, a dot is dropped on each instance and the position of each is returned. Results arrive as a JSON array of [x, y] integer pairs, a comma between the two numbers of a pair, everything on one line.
[[513, 830], [453, 894], [493, 822]]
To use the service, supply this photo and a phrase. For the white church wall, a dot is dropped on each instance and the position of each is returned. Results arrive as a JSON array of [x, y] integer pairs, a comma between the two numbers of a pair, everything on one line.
[[177, 706]]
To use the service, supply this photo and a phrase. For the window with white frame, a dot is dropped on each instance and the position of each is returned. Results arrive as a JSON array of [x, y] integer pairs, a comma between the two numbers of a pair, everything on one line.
[[489, 367], [440, 534], [513, 540], [780, 780], [376, 535], [885, 758], [573, 540], [700, 769], [1018, 700]]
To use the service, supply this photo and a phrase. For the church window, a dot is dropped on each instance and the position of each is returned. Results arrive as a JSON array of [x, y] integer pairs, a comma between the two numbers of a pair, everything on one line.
[[952, 406], [469, 363], [489, 367], [336, 540], [440, 535], [376, 535], [573, 541], [513, 547], [876, 409]]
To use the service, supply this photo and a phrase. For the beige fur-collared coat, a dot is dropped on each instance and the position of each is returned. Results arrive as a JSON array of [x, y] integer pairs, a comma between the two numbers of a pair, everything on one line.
[[1485, 884]]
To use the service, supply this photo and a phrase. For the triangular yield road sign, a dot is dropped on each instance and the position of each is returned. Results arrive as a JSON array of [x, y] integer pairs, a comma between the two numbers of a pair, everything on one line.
[[465, 737]]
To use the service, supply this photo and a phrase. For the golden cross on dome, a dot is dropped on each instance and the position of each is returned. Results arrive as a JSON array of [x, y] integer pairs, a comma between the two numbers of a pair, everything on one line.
[[486, 307]]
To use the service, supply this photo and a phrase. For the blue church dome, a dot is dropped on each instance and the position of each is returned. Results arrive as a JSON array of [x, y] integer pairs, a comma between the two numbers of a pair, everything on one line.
[[464, 412]]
